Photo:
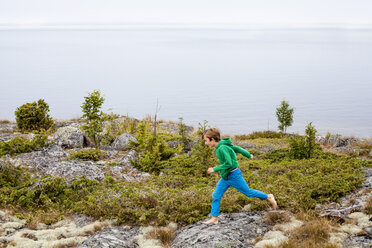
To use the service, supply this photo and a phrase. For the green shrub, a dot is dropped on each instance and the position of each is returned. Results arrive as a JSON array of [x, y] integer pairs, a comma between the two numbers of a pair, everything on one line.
[[33, 116], [304, 147], [153, 149], [93, 116], [262, 134], [86, 154], [21, 145]]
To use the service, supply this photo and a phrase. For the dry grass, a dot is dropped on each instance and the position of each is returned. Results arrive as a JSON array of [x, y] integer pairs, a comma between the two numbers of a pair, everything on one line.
[[29, 236], [368, 207], [5, 121], [273, 218], [46, 218], [70, 244], [164, 234], [314, 234], [306, 216], [291, 244], [366, 144]]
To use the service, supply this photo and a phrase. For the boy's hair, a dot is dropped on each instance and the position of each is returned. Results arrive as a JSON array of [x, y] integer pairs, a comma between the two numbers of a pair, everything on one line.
[[212, 133]]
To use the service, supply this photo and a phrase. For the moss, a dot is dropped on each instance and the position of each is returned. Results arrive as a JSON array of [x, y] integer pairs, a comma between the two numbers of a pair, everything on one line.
[[109, 164], [19, 145], [87, 154]]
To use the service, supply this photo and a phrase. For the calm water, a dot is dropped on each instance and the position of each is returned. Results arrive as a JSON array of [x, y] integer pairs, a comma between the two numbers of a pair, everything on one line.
[[233, 78]]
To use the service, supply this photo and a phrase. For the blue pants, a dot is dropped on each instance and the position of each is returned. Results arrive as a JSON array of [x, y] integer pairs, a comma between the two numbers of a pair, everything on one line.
[[234, 179]]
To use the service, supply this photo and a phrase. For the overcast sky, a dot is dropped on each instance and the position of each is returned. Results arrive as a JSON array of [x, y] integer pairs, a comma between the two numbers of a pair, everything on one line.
[[247, 12]]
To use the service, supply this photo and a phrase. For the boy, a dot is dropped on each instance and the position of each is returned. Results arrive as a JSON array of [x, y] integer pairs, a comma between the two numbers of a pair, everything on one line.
[[229, 171]]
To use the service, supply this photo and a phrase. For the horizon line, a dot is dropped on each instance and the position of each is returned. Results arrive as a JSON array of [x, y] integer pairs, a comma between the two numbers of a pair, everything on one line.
[[87, 26]]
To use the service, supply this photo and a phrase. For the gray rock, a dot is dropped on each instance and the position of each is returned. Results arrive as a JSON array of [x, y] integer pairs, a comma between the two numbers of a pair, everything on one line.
[[120, 237], [7, 136], [132, 155], [368, 231], [233, 230], [8, 127], [69, 137], [261, 148], [122, 142], [43, 159], [362, 241], [73, 169], [76, 124], [337, 140], [347, 150], [186, 147], [174, 128]]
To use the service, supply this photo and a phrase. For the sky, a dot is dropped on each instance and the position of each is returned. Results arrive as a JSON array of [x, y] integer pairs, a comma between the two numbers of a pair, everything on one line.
[[231, 12]]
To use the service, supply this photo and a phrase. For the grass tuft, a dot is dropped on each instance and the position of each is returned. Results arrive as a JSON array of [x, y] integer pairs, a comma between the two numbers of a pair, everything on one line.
[[273, 218], [368, 207], [164, 234]]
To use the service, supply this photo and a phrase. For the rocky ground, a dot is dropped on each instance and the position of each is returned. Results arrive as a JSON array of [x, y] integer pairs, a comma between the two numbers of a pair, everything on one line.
[[245, 229]]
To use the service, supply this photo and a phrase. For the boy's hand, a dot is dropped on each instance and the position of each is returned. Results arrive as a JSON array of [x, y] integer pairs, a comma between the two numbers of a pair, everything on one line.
[[252, 156], [210, 170]]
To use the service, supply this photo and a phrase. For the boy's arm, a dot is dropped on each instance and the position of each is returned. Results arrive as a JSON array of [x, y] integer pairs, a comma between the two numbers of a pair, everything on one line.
[[224, 158], [242, 151]]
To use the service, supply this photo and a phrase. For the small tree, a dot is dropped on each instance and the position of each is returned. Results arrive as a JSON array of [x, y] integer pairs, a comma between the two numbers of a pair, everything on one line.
[[93, 116], [285, 116], [33, 116], [304, 147], [310, 143]]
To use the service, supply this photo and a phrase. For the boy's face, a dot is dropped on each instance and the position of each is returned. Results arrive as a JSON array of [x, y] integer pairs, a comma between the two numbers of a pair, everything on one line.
[[210, 142]]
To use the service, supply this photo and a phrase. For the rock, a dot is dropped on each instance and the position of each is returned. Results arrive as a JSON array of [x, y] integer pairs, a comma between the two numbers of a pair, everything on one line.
[[122, 142], [7, 127], [337, 140], [271, 238], [120, 237], [233, 230], [76, 124], [252, 146], [186, 147], [41, 160], [174, 128], [368, 231], [69, 137], [74, 169], [132, 155]]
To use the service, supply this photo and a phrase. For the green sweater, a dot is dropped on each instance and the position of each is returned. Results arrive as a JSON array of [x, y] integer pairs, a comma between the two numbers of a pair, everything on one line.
[[226, 154]]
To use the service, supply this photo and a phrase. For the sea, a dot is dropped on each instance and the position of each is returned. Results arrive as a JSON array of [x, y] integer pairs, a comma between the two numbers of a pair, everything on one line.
[[230, 78]]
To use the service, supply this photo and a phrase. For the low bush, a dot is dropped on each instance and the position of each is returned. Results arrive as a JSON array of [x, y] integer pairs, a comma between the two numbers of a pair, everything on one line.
[[86, 154], [153, 149], [33, 116], [19, 145], [262, 134]]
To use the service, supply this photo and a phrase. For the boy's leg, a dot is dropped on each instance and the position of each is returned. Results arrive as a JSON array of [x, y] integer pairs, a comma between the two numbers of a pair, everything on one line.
[[241, 185], [221, 188]]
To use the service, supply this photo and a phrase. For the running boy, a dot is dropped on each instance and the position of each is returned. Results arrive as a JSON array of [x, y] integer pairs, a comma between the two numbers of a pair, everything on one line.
[[229, 171]]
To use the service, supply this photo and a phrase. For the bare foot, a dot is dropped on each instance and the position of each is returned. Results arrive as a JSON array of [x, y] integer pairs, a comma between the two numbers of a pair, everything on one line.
[[271, 199], [211, 221]]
